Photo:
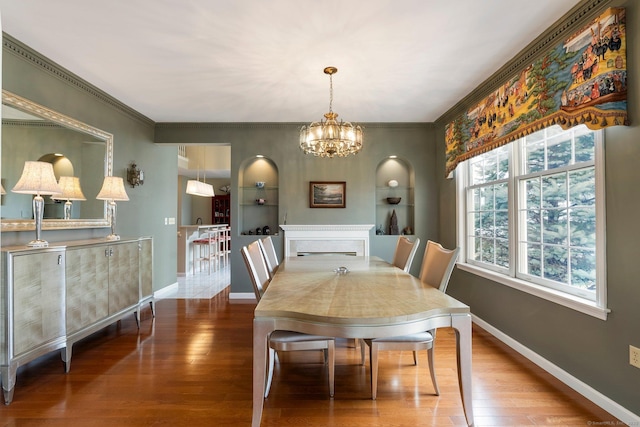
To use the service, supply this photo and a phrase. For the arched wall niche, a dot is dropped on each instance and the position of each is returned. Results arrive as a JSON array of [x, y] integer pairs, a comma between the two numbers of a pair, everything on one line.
[[258, 196], [395, 179]]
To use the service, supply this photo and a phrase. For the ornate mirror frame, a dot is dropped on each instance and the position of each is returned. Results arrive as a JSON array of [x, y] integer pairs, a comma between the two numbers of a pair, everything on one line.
[[28, 106]]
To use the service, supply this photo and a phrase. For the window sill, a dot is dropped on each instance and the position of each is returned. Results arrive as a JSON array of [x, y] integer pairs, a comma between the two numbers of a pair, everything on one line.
[[584, 306]]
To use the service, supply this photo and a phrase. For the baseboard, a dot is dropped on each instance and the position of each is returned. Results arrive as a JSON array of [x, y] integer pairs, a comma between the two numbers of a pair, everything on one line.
[[166, 291], [242, 296], [587, 391]]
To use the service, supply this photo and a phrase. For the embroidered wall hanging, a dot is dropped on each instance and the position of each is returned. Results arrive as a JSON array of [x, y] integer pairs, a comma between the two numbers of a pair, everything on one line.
[[580, 81]]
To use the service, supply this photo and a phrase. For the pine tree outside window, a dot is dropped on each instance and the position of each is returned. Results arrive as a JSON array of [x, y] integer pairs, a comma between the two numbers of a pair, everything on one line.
[[531, 216]]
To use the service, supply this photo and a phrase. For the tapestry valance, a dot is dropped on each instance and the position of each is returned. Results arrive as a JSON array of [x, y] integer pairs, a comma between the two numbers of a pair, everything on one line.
[[583, 80]]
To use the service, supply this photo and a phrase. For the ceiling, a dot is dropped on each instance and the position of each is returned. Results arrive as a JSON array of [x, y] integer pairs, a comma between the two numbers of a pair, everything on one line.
[[262, 61]]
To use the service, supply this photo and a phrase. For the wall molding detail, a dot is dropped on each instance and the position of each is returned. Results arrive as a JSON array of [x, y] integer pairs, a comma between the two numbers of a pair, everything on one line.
[[14, 46]]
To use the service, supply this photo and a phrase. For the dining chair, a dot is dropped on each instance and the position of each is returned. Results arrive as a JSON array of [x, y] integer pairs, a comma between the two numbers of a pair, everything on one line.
[[436, 269], [270, 255], [404, 253], [402, 258], [284, 340]]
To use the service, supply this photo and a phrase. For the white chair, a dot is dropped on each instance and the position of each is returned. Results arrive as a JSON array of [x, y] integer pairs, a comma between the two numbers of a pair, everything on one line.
[[437, 265], [284, 340], [270, 255], [405, 252], [402, 258]]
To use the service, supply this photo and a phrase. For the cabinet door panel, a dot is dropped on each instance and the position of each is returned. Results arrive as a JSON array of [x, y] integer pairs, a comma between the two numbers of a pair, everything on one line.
[[146, 267], [124, 270], [87, 286], [38, 299]]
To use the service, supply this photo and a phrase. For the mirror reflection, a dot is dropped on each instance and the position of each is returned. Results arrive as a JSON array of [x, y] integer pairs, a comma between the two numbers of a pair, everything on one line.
[[33, 132]]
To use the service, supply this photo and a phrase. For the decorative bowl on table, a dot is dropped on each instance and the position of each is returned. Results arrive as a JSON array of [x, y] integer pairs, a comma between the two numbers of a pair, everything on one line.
[[393, 200]]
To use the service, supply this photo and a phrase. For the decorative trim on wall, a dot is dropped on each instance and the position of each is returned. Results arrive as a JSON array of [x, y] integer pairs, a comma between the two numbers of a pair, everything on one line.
[[30, 124], [14, 46], [281, 125]]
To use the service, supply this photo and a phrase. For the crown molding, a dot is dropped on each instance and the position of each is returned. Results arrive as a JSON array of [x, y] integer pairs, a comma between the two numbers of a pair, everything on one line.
[[572, 21], [279, 125], [16, 47]]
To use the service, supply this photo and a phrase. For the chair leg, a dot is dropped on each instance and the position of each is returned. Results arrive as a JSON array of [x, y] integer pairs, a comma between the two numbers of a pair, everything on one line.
[[272, 362], [415, 357], [331, 352], [362, 346], [373, 369], [432, 369]]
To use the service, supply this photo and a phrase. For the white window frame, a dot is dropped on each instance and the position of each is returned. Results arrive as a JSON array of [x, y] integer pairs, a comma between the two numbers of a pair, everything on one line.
[[596, 308]]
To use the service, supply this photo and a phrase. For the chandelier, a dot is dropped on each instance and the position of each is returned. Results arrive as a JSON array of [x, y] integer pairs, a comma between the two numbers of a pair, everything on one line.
[[328, 138]]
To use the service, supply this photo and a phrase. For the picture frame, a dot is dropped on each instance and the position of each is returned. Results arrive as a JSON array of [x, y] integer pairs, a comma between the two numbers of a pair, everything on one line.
[[327, 194]]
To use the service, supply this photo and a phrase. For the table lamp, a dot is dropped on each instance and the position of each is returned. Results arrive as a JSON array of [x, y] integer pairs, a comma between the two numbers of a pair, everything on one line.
[[112, 190], [71, 190], [38, 179]]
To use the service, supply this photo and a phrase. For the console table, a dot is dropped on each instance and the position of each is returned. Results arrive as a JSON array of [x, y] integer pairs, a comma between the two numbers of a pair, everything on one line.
[[52, 297]]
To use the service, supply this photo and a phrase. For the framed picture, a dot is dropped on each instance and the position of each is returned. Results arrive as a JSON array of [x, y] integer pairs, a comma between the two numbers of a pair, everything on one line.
[[327, 194]]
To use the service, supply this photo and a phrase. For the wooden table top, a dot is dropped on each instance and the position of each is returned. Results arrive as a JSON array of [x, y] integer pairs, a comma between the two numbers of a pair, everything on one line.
[[373, 293]]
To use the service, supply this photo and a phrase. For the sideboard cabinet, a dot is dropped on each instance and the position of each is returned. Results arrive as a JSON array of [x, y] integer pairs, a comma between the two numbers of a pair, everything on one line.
[[52, 297]]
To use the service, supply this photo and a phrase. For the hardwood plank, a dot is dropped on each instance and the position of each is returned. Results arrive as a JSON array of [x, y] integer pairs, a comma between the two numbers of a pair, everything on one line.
[[192, 366]]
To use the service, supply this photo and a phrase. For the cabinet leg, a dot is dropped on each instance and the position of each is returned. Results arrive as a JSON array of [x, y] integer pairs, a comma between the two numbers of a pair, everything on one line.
[[8, 378], [136, 314], [65, 353]]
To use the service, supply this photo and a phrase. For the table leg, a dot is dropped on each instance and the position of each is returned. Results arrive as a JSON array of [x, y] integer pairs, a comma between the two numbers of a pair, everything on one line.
[[261, 331], [462, 326]]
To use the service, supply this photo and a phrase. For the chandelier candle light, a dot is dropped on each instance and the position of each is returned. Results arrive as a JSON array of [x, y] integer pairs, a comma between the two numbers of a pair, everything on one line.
[[37, 178], [328, 138], [113, 190]]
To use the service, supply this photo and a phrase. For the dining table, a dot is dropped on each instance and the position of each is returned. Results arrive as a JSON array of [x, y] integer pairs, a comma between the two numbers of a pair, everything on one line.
[[355, 297]]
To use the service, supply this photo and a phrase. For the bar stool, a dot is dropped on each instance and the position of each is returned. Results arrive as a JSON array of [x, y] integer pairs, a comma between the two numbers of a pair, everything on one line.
[[205, 249], [224, 246]]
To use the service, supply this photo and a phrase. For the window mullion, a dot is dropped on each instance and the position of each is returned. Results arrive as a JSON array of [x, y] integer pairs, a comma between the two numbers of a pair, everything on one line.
[[515, 202], [564, 192]]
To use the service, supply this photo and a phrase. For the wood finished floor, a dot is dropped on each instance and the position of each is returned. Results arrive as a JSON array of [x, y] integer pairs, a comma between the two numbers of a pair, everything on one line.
[[191, 366]]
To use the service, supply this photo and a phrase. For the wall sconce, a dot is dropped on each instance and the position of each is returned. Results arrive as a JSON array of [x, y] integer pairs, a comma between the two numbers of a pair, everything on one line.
[[135, 176]]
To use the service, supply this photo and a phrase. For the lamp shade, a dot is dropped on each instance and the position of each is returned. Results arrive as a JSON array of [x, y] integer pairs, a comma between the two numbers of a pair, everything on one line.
[[113, 189], [198, 188], [37, 178], [71, 189]]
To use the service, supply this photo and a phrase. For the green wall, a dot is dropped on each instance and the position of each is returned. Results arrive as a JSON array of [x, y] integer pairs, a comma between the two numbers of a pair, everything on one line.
[[594, 351], [28, 74], [278, 142]]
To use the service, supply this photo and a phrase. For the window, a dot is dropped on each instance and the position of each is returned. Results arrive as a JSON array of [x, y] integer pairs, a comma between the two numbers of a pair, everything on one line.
[[532, 216]]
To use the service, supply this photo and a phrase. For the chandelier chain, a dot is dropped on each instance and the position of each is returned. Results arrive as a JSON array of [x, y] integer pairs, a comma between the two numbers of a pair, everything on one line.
[[331, 93]]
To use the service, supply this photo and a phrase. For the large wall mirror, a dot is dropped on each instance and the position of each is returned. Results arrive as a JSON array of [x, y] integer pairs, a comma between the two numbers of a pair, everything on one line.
[[33, 132]]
